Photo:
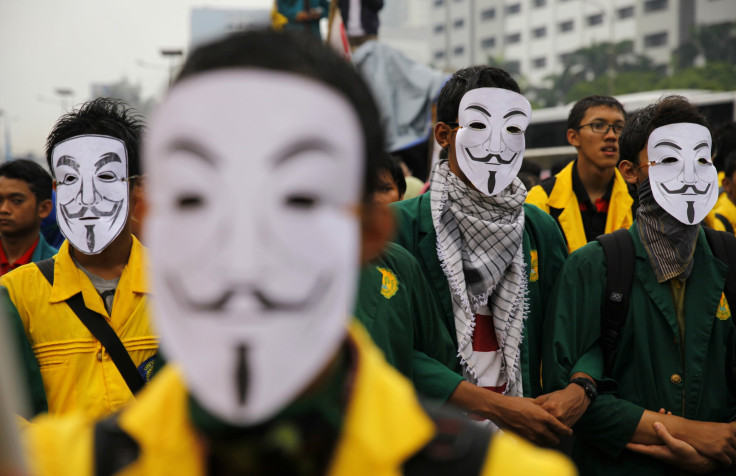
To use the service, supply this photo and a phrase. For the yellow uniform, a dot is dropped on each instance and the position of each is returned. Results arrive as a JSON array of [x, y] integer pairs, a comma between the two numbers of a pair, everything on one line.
[[77, 372]]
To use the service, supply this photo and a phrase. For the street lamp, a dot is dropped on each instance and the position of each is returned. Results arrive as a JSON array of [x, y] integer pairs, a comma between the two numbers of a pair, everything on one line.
[[609, 51], [6, 123], [66, 95], [172, 54]]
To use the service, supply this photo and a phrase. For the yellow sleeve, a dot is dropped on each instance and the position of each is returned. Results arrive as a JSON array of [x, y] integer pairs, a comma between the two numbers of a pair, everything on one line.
[[511, 455], [59, 445], [537, 196]]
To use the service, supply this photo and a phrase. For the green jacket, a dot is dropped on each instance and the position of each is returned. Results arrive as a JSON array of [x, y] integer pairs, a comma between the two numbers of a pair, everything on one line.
[[396, 307], [544, 253], [649, 370]]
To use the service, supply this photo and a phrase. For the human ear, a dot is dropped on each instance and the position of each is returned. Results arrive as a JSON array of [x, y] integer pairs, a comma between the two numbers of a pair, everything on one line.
[[44, 208], [628, 171], [442, 134], [573, 138]]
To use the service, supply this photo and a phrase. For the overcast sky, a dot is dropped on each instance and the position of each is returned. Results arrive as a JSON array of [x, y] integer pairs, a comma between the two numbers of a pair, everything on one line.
[[50, 44]]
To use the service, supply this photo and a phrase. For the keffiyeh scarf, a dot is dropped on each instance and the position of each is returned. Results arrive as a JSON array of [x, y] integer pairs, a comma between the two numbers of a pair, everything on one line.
[[479, 242]]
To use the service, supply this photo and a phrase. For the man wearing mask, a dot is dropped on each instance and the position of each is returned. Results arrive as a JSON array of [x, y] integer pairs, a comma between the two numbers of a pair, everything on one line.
[[97, 278], [265, 376], [674, 347]]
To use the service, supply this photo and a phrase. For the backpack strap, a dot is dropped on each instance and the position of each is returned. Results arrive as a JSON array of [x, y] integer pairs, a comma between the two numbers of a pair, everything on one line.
[[723, 246], [618, 249], [114, 449], [726, 224], [459, 446], [101, 330]]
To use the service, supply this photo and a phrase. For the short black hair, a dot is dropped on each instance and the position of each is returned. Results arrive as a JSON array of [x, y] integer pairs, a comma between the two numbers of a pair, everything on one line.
[[101, 116], [390, 163], [668, 110], [38, 180], [577, 113], [724, 143], [298, 53], [464, 80]]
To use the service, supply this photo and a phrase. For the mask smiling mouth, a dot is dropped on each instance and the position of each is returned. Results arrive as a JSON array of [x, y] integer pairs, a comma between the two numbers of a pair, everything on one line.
[[267, 302], [683, 190], [490, 157]]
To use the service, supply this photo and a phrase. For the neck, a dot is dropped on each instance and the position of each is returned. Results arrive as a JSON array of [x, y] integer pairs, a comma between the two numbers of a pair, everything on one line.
[[16, 246], [109, 263], [594, 179]]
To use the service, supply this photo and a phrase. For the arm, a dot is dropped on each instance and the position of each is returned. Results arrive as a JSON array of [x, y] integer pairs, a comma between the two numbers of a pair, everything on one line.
[[518, 414], [568, 404]]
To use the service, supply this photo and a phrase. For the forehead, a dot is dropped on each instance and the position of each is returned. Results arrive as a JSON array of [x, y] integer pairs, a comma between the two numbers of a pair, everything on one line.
[[685, 135], [13, 185], [87, 148], [604, 113], [498, 99], [246, 117]]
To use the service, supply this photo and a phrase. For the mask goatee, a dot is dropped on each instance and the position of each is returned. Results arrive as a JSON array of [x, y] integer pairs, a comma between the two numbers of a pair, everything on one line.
[[90, 237]]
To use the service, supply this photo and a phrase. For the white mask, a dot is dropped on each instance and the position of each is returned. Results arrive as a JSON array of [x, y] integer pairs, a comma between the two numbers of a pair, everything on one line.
[[255, 179], [91, 190], [490, 143], [683, 177]]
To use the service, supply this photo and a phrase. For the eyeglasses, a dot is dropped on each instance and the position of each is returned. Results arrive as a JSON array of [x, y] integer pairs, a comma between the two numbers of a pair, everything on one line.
[[603, 128]]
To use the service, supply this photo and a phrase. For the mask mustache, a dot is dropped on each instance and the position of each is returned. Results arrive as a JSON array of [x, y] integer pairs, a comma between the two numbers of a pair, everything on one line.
[[96, 212], [681, 191], [490, 157], [267, 302]]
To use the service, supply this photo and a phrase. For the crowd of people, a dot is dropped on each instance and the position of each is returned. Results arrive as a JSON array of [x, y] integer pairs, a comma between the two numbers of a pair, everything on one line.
[[319, 312]]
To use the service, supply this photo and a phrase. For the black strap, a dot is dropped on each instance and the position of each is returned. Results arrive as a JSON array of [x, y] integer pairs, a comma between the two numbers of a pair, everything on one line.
[[723, 246], [99, 327], [114, 448], [459, 446], [618, 248], [726, 224]]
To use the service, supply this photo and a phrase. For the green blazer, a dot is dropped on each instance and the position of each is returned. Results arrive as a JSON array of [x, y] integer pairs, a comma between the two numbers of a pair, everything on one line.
[[652, 367], [544, 253]]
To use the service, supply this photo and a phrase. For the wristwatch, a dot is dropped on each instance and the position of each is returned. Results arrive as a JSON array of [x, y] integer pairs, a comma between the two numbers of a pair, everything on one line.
[[588, 386]]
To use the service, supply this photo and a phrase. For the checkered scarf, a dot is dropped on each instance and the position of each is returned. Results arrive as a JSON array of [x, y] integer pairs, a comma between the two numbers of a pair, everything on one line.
[[479, 247]]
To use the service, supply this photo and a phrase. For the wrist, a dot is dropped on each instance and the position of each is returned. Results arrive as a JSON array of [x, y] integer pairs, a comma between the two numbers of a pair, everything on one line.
[[586, 386]]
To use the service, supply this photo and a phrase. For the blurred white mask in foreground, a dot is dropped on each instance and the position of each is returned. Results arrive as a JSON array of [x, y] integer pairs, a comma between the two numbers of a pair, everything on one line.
[[490, 143], [91, 190], [683, 177], [254, 234]]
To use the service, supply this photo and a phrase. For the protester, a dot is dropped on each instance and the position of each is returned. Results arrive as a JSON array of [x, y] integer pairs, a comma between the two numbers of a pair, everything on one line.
[[265, 377], [490, 259], [303, 15], [98, 274], [671, 346], [25, 200], [391, 184], [588, 197]]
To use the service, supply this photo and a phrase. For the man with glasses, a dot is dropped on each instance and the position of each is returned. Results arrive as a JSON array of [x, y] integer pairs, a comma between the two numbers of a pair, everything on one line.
[[589, 197]]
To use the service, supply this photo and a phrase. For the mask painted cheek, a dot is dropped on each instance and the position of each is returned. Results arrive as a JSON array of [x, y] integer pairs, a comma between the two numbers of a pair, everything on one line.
[[467, 137], [515, 142]]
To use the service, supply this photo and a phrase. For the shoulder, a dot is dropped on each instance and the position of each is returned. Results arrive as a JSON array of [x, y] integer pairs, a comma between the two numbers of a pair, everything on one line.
[[410, 207], [543, 190], [539, 223]]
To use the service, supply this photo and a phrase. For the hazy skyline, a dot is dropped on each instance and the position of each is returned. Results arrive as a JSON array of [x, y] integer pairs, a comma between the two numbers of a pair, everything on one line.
[[47, 44]]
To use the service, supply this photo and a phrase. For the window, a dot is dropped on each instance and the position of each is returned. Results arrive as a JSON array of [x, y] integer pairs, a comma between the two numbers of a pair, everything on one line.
[[657, 39], [565, 57], [595, 19], [539, 62], [438, 55], [513, 67], [439, 28], [513, 38], [459, 50], [540, 3], [459, 23], [566, 26], [488, 14], [488, 42], [626, 12], [540, 32], [654, 5], [439, 3], [513, 9]]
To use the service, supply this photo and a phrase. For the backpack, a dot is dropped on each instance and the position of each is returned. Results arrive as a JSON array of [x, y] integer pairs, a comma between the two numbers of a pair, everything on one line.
[[618, 249]]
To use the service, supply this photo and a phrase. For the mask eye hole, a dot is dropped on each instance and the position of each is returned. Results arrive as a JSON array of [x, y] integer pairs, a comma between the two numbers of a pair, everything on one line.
[[106, 177], [189, 202], [69, 180], [669, 160], [478, 126], [704, 161], [514, 130], [303, 202]]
